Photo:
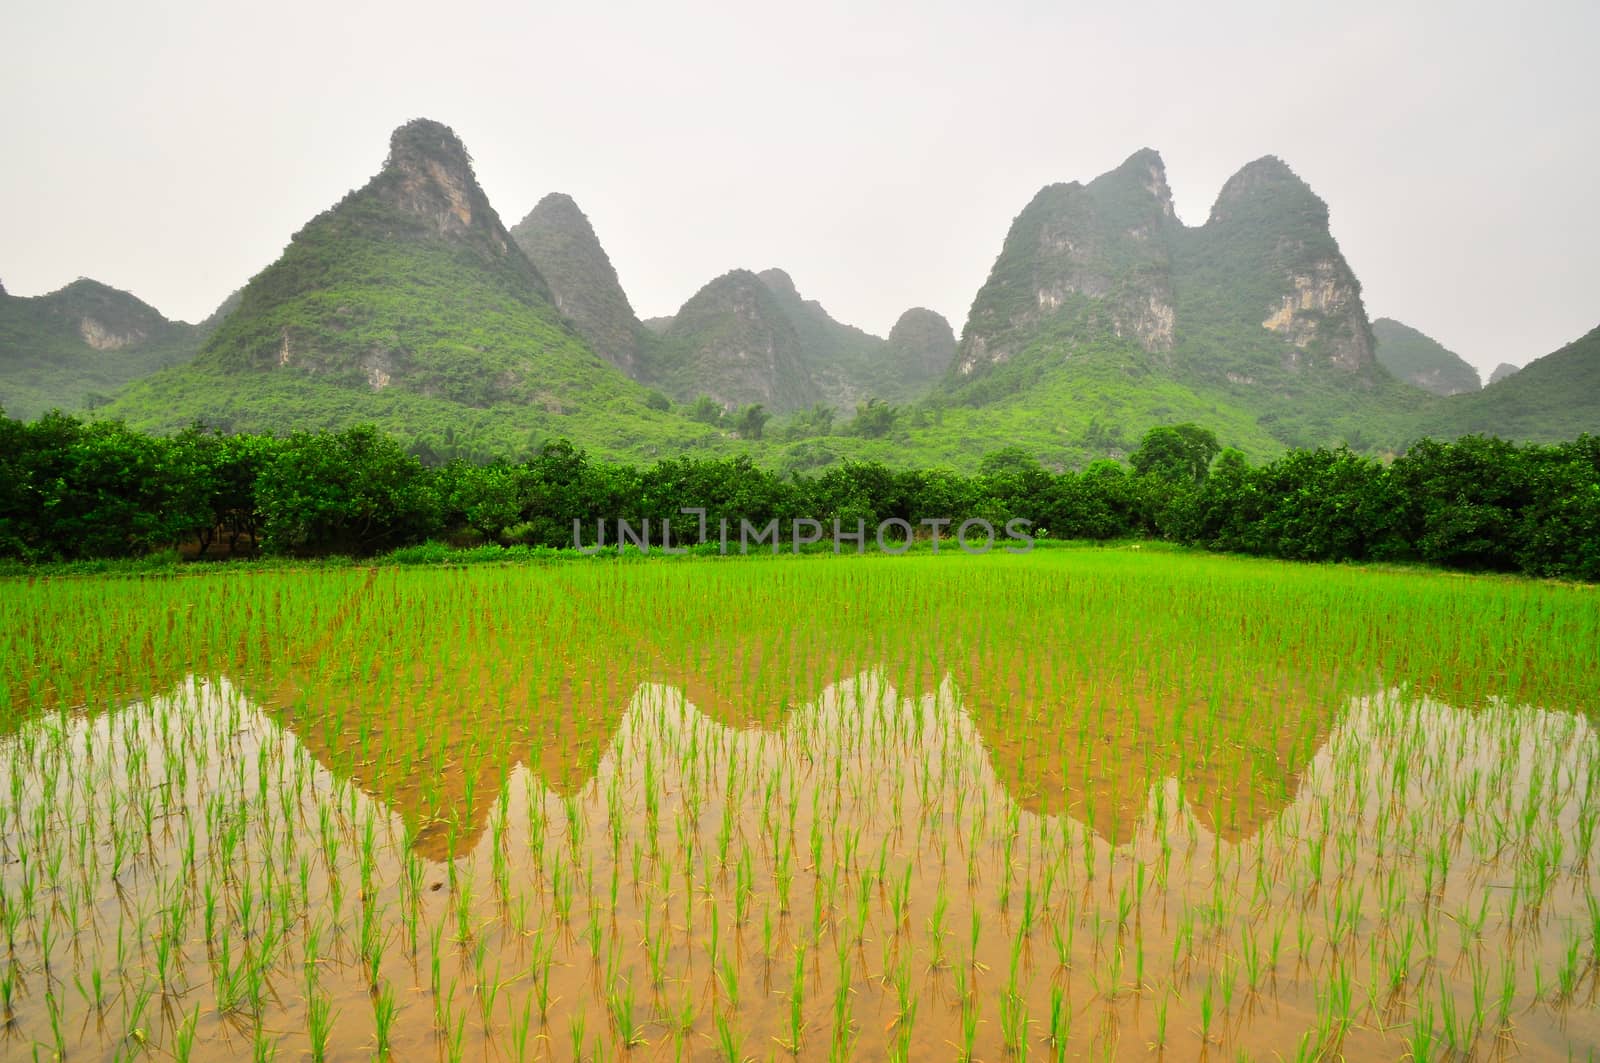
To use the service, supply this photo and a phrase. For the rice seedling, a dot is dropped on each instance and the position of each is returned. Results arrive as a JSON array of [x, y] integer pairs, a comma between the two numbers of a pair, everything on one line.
[[319, 1024]]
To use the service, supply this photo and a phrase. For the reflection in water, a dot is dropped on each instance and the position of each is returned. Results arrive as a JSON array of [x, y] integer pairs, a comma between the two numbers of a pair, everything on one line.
[[428, 696], [874, 871]]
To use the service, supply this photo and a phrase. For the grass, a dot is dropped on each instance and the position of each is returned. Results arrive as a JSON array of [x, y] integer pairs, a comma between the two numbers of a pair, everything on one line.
[[815, 807]]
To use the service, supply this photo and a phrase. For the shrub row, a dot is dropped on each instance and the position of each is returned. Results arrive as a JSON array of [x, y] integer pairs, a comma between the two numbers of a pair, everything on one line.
[[72, 489]]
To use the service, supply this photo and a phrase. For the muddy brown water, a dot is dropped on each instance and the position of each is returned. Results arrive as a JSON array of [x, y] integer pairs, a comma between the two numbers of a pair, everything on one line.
[[871, 869]]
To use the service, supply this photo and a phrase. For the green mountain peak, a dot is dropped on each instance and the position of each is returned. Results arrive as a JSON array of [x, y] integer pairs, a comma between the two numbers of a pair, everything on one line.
[[1268, 258], [780, 282], [753, 338], [409, 305], [1091, 258], [74, 346], [1101, 303], [1259, 188], [921, 345], [1501, 371], [428, 176], [733, 341], [561, 243], [410, 281]]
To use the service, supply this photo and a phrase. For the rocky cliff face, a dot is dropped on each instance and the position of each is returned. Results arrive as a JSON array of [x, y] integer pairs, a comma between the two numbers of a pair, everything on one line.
[[749, 337], [1322, 308], [102, 338], [1421, 360], [1109, 260], [559, 241], [1107, 241], [733, 342], [104, 318], [1269, 222], [921, 345], [428, 177]]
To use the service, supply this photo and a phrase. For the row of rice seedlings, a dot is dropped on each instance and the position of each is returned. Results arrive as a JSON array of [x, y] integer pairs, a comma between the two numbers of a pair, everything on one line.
[[857, 822], [1108, 964]]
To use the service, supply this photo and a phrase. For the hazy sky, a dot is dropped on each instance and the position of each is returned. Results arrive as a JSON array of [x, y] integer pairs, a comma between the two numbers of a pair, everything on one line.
[[877, 155]]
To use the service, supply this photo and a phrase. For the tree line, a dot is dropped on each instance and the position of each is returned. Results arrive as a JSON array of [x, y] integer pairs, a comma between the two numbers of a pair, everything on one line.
[[73, 489]]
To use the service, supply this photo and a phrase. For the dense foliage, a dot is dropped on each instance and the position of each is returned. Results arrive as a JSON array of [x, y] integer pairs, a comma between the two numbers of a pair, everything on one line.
[[71, 489]]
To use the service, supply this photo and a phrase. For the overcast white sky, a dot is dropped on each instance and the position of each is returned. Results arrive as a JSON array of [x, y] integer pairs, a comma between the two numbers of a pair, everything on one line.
[[878, 155]]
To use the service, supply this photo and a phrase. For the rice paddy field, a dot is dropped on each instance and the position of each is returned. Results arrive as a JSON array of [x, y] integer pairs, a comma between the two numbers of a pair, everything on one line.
[[1105, 804]]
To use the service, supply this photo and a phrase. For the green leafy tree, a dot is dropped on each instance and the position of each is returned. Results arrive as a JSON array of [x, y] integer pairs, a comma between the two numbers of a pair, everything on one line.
[[100, 489], [219, 472], [864, 491], [355, 491], [1011, 483], [750, 421], [1322, 505], [1558, 528], [1464, 500], [1228, 506], [815, 420], [1099, 503], [489, 499], [874, 418], [706, 410], [1176, 453]]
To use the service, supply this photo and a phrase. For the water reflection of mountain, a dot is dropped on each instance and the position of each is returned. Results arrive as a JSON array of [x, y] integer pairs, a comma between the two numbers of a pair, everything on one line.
[[912, 771], [429, 688], [445, 784], [427, 692], [864, 731]]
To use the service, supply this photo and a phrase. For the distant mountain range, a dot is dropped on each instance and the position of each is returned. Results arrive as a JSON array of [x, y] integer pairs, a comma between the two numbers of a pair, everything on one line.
[[74, 347], [742, 339], [1422, 360], [1551, 398], [752, 338], [410, 305]]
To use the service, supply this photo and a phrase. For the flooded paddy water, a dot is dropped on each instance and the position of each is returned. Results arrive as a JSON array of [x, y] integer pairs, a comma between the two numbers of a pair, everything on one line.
[[1085, 804]]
